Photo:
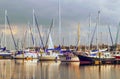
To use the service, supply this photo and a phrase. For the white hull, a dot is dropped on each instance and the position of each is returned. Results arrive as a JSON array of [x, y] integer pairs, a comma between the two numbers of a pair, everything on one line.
[[51, 57], [47, 58], [64, 58], [26, 55], [5, 55]]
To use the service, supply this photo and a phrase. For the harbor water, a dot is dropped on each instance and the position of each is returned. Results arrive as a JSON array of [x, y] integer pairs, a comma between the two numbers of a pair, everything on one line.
[[32, 69]]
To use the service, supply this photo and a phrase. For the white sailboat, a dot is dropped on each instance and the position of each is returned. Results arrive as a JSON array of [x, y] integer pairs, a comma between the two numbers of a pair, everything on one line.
[[26, 53], [68, 56], [49, 55], [3, 52]]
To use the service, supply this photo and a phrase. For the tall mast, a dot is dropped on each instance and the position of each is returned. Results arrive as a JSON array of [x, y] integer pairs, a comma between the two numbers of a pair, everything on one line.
[[28, 35], [63, 41], [49, 31], [89, 32], [34, 27], [7, 21], [69, 39], [98, 22], [5, 29], [36, 24], [59, 10], [92, 37], [1, 37], [31, 33], [110, 35], [78, 36], [101, 42]]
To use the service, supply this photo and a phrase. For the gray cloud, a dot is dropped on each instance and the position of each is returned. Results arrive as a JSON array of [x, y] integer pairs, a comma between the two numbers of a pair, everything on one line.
[[77, 10], [72, 13]]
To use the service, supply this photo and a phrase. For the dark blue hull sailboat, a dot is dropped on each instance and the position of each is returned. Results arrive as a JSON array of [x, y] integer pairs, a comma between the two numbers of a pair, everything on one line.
[[95, 60]]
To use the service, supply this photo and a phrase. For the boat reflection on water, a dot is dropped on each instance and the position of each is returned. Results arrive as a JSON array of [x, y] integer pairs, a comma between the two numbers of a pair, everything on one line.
[[69, 70], [31, 69], [5, 69], [100, 72]]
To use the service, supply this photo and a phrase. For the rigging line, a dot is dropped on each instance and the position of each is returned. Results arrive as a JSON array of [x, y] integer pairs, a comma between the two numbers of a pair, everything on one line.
[[110, 34], [11, 32], [31, 34], [117, 36], [49, 32], [38, 30], [93, 36], [1, 39]]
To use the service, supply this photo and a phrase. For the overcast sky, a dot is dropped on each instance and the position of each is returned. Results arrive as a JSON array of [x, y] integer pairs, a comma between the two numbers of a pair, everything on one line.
[[72, 13]]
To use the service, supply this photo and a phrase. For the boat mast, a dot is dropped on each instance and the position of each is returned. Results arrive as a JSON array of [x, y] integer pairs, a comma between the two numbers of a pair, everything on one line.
[[39, 33], [1, 37], [93, 36], [98, 22], [78, 36], [7, 21], [59, 12], [5, 28], [31, 33], [110, 34], [63, 41], [34, 27], [89, 32], [49, 31], [69, 39], [28, 35], [101, 42]]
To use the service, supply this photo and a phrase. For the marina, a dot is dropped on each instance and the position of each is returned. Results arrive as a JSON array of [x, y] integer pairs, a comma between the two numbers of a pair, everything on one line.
[[59, 39]]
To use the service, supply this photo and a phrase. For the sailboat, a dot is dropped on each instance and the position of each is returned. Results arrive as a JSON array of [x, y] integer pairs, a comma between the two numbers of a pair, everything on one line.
[[49, 54], [3, 52], [27, 53], [67, 55], [96, 57]]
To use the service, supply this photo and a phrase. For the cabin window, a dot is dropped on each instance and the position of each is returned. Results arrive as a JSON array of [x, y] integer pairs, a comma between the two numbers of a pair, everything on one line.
[[105, 55], [117, 52], [113, 52]]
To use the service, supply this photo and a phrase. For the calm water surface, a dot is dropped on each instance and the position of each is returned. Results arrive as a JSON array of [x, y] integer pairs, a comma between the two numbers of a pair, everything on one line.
[[23, 69]]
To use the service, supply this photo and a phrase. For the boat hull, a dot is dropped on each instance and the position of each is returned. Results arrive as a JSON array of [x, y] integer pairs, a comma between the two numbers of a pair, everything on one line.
[[47, 58], [28, 56], [94, 60], [117, 57], [64, 58], [5, 56]]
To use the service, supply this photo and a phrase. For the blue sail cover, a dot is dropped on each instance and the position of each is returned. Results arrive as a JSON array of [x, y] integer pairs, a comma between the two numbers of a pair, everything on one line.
[[93, 54], [65, 51], [19, 52], [3, 49], [54, 49], [58, 48], [94, 50]]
